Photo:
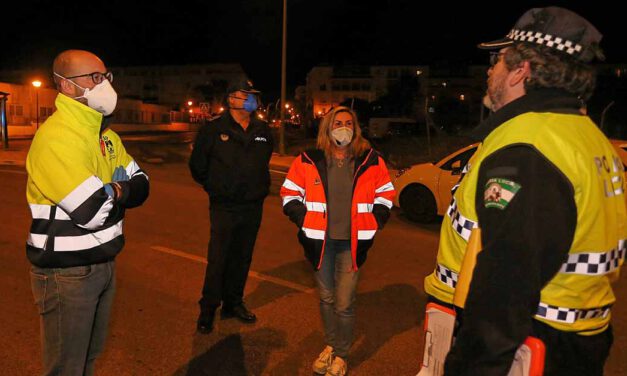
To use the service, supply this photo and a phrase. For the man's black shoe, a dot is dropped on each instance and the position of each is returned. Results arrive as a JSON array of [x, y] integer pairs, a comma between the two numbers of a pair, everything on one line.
[[204, 325], [240, 312]]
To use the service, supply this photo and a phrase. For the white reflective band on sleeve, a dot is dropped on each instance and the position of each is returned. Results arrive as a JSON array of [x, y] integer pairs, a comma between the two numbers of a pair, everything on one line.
[[61, 215], [569, 315], [132, 168], [446, 275], [595, 263], [287, 199], [37, 240], [101, 216], [43, 212], [320, 207], [383, 201], [81, 193], [385, 188], [462, 225], [364, 208], [313, 234], [365, 234], [293, 187], [83, 242]]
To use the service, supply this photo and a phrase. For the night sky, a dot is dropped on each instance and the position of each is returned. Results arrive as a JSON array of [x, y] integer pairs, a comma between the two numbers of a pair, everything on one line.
[[249, 32]]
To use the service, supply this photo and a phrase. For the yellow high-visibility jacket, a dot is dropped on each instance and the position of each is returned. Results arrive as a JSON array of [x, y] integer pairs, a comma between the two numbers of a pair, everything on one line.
[[578, 298], [75, 222]]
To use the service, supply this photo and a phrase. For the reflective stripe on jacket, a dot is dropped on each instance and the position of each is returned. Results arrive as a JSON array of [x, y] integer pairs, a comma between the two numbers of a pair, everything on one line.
[[75, 222], [304, 194]]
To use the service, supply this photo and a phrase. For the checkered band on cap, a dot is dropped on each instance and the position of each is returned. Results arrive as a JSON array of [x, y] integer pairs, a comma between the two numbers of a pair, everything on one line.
[[446, 275], [569, 315], [462, 225], [548, 40], [595, 263]]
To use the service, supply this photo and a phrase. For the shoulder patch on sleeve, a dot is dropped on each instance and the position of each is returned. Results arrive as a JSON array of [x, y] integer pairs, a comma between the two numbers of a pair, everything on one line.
[[499, 192]]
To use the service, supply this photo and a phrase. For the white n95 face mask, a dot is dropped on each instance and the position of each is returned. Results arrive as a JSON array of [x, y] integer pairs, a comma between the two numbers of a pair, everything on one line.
[[342, 136], [101, 97]]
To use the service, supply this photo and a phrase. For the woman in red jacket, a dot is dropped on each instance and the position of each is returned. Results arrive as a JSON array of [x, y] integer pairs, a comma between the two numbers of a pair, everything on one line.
[[339, 195]]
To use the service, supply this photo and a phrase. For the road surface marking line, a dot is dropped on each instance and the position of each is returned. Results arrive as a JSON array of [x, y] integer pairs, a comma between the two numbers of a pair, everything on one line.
[[14, 172], [260, 276], [278, 171]]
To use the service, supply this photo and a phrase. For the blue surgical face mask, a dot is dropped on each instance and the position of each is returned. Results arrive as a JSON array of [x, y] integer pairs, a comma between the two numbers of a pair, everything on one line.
[[250, 104]]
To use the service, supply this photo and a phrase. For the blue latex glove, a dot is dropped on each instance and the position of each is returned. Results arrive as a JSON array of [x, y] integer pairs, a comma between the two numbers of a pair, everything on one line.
[[119, 174], [109, 189]]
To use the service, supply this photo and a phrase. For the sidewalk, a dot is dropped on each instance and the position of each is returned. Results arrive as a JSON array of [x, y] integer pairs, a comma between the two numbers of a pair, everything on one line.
[[15, 155]]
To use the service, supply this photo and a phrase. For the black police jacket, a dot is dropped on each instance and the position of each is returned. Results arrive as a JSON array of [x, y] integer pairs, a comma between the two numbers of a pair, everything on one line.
[[232, 163]]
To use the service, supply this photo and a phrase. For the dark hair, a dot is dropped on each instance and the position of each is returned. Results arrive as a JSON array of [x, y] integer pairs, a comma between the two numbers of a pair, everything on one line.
[[553, 69]]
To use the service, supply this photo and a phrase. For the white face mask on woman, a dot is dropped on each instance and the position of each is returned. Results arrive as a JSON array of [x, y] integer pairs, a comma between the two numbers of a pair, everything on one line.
[[342, 136], [101, 97]]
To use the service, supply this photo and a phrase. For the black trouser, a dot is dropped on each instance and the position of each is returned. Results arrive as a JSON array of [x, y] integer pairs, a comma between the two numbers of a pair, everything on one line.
[[570, 354], [233, 235]]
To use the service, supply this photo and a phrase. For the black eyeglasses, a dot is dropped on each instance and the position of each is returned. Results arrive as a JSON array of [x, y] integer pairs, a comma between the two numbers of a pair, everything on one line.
[[97, 77], [494, 57]]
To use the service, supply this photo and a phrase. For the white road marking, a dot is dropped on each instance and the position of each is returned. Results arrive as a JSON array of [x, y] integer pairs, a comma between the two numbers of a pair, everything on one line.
[[254, 274]]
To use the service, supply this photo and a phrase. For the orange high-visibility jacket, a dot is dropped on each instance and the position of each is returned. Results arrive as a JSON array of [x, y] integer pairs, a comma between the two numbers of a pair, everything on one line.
[[304, 194]]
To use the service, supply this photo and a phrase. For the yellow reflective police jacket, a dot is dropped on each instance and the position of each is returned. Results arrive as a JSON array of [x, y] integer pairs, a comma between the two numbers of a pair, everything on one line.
[[75, 222], [579, 296], [454, 235]]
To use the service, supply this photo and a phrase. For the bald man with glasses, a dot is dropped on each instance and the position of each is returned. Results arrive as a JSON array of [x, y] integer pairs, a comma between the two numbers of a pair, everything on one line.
[[80, 183]]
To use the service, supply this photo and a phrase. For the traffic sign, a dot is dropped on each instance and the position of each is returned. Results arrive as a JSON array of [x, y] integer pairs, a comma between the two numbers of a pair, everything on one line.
[[204, 107]]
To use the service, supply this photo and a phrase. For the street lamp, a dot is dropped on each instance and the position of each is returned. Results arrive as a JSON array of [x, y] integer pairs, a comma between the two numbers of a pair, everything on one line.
[[37, 85], [283, 79]]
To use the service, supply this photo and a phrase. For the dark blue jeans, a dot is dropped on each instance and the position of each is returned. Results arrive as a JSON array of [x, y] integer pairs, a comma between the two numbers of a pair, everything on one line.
[[74, 306], [337, 285]]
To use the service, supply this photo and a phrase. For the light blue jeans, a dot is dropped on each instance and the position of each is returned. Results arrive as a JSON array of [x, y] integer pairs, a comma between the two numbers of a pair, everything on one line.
[[337, 285], [74, 305]]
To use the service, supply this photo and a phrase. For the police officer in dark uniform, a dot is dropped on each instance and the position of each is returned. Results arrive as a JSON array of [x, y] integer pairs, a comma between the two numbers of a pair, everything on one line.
[[230, 160]]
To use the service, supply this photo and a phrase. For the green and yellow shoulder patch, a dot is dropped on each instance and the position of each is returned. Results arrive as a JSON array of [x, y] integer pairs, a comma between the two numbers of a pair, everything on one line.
[[499, 192]]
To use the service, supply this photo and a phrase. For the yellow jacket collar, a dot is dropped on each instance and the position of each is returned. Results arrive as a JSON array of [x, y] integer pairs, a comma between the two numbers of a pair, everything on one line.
[[85, 117]]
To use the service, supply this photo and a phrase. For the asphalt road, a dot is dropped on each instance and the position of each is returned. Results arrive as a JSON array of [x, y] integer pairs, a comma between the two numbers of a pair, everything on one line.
[[160, 273]]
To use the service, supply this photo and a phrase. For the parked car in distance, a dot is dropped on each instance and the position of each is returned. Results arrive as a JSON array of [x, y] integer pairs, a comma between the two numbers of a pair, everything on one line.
[[424, 190]]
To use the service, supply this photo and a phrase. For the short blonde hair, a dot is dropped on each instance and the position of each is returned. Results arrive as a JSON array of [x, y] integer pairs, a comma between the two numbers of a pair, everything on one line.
[[358, 144]]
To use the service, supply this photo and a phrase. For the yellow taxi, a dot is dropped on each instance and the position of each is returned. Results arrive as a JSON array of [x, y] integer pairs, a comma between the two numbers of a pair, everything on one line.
[[424, 190]]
